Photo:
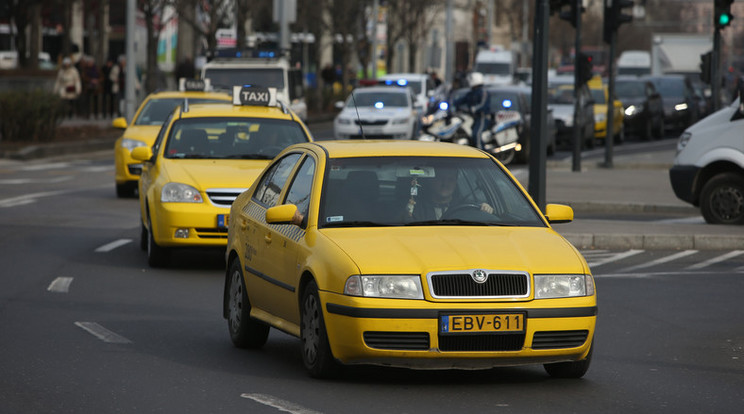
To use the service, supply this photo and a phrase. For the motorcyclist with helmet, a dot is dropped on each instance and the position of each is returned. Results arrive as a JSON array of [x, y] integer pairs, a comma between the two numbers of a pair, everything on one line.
[[478, 104]]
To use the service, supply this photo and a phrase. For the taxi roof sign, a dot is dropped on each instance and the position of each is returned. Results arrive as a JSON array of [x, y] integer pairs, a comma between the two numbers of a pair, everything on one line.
[[254, 95], [194, 85]]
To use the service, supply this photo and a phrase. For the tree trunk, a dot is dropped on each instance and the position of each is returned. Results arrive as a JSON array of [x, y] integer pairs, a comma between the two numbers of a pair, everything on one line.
[[35, 40]]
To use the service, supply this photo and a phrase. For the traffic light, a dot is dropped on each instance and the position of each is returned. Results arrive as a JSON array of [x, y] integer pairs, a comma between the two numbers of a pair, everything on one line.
[[614, 16], [706, 61], [569, 10], [722, 13], [584, 65]]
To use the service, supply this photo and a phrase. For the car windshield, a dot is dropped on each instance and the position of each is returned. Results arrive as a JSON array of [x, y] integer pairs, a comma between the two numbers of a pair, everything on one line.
[[559, 95], [378, 100], [598, 96], [630, 89], [156, 110], [231, 138], [493, 68], [670, 87], [421, 191], [226, 78]]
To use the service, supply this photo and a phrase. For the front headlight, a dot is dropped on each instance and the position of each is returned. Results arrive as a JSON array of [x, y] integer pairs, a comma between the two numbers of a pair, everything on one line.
[[683, 140], [631, 110], [343, 121], [385, 286], [131, 144], [180, 193], [399, 121], [563, 286]]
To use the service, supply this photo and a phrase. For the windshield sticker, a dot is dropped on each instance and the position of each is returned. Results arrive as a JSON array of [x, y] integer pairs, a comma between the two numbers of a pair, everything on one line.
[[334, 219]]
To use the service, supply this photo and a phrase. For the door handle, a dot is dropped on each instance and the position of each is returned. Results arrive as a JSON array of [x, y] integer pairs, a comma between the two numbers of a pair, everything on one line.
[[267, 238]]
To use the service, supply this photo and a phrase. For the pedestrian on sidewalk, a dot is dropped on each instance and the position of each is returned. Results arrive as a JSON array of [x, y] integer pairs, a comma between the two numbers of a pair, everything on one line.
[[91, 87], [67, 86]]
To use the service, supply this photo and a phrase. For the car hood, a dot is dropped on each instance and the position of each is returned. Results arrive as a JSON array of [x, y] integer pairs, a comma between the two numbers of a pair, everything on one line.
[[144, 133], [204, 174], [562, 111], [419, 250], [373, 114]]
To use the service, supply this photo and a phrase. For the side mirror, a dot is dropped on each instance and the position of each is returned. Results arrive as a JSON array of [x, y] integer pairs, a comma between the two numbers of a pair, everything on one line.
[[142, 153], [120, 123], [283, 214], [558, 213]]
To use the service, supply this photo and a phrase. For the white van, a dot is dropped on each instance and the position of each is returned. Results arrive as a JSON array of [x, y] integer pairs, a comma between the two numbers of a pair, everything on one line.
[[709, 168], [497, 66], [634, 62]]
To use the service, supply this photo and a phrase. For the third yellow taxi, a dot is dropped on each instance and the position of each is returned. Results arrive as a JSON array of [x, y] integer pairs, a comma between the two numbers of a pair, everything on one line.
[[145, 126], [203, 158], [599, 96], [405, 253]]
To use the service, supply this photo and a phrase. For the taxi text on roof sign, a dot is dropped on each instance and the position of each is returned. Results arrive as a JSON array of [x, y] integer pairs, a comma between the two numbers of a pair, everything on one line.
[[254, 95], [194, 85]]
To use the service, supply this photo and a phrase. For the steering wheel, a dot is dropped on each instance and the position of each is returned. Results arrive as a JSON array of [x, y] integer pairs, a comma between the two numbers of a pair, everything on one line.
[[452, 211]]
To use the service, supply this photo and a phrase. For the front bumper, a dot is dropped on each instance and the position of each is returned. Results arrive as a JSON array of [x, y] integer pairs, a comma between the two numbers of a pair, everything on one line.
[[387, 131], [682, 178], [200, 220], [408, 334]]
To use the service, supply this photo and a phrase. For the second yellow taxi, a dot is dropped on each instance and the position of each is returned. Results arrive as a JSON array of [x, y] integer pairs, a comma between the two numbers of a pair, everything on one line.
[[202, 159]]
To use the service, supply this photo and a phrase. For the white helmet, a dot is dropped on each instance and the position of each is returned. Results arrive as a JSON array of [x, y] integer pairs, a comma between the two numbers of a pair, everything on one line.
[[475, 79]]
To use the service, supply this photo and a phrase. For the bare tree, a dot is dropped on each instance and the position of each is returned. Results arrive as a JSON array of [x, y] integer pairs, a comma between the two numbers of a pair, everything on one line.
[[215, 13], [409, 20]]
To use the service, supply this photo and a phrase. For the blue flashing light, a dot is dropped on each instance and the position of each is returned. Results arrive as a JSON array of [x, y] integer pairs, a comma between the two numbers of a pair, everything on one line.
[[266, 53], [507, 103], [402, 82], [379, 105], [388, 82], [443, 106]]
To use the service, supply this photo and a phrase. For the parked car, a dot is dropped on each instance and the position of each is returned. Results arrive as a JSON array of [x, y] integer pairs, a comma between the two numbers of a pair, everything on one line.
[[643, 105], [562, 101], [680, 103], [377, 112]]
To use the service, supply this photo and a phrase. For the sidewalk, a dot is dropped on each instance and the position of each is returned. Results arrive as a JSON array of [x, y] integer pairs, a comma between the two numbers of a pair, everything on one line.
[[630, 206]]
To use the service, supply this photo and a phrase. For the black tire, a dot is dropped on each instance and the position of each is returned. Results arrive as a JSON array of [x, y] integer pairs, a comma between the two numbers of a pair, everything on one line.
[[157, 256], [573, 369], [126, 190], [143, 237], [722, 199], [316, 351], [505, 157], [245, 332], [659, 132]]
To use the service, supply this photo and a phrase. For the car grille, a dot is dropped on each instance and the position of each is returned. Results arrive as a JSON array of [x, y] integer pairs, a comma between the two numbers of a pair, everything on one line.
[[211, 233], [409, 341], [223, 197], [135, 169], [370, 122], [489, 342], [499, 284], [559, 339]]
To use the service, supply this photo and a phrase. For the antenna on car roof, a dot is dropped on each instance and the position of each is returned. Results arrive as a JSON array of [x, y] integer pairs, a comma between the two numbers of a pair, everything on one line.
[[359, 119]]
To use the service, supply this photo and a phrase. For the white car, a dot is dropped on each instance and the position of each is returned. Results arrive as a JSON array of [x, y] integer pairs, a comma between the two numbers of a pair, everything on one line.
[[421, 85], [379, 112]]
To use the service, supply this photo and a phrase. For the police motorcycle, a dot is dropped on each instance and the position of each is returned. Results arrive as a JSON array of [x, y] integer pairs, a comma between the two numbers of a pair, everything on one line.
[[500, 138]]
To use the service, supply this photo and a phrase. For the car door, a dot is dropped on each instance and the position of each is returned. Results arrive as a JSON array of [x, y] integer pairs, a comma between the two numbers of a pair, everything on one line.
[[262, 284]]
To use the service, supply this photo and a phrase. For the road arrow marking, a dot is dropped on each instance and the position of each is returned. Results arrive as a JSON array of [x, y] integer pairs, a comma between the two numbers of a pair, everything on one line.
[[102, 333], [60, 285]]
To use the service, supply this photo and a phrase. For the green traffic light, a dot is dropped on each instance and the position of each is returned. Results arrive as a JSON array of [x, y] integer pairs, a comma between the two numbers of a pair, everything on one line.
[[724, 19]]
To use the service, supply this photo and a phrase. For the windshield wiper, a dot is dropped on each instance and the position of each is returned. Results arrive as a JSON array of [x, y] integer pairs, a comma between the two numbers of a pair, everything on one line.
[[356, 223], [248, 157], [457, 222]]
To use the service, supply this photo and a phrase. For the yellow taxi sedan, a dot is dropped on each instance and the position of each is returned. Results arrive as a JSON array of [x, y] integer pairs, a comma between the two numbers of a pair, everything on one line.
[[202, 159], [405, 253], [599, 96], [144, 129]]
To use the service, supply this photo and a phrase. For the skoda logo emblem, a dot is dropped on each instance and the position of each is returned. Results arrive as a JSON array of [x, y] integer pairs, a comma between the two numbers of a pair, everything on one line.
[[479, 276]]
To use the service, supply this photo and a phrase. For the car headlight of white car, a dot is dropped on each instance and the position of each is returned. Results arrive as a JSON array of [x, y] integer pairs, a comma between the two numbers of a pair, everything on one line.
[[385, 286], [131, 144], [563, 286], [343, 121], [180, 193], [400, 121], [683, 140]]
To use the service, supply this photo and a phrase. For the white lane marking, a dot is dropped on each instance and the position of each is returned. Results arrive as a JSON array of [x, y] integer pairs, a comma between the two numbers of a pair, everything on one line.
[[102, 333], [659, 261], [715, 260], [27, 199], [60, 285], [683, 220], [50, 166], [21, 181], [113, 245], [100, 168], [615, 257], [279, 404]]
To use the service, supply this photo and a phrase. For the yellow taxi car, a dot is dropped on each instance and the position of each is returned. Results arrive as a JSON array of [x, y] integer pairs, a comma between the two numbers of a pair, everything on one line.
[[599, 96], [405, 253], [203, 158], [145, 126]]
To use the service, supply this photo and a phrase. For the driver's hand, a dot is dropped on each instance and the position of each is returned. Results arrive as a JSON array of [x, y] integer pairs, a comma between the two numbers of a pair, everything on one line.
[[487, 208]]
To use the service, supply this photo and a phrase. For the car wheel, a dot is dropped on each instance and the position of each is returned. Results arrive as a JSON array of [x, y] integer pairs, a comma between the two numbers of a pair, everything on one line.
[[505, 157], [659, 133], [722, 199], [245, 332], [316, 351], [573, 369], [126, 190], [157, 256], [143, 237]]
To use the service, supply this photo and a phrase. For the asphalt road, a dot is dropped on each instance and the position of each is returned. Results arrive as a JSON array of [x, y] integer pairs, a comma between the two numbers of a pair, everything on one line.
[[87, 327]]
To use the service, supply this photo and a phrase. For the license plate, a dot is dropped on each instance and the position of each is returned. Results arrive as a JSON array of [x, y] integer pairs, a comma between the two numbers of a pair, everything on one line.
[[481, 323], [223, 220]]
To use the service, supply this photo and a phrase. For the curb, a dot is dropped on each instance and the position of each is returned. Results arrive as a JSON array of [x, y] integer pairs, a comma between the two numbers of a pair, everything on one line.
[[628, 208], [654, 241]]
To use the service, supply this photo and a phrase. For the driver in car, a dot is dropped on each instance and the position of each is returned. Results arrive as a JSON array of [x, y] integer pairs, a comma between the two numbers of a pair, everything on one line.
[[440, 196]]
